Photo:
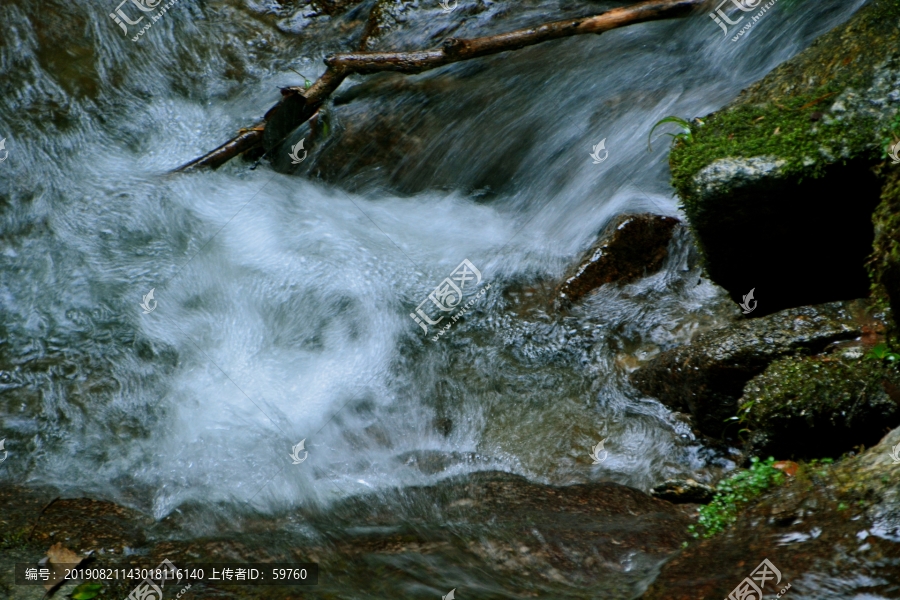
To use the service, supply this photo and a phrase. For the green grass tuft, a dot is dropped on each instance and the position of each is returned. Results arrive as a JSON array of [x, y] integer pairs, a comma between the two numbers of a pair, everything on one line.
[[686, 136]]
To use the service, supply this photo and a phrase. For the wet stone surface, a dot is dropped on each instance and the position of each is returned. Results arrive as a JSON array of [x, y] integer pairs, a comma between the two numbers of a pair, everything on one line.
[[793, 157], [833, 532], [501, 534], [683, 491], [707, 376], [629, 247]]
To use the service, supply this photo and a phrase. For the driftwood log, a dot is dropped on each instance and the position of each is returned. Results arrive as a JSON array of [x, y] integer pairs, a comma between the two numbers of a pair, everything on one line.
[[298, 104]]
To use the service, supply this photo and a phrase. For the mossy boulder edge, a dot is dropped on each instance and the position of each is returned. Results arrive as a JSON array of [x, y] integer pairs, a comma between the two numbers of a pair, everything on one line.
[[779, 187]]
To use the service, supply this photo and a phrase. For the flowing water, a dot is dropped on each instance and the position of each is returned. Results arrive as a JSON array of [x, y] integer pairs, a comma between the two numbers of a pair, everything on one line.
[[284, 301]]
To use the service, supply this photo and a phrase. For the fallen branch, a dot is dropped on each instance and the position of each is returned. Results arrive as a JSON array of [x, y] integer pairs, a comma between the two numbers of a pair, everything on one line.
[[297, 104]]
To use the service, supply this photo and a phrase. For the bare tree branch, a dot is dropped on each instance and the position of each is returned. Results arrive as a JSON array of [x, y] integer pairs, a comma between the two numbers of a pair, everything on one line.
[[298, 105]]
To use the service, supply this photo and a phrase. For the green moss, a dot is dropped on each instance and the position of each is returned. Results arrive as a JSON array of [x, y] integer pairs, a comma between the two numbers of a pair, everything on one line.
[[733, 493], [787, 132], [811, 387], [777, 117], [822, 405], [884, 264]]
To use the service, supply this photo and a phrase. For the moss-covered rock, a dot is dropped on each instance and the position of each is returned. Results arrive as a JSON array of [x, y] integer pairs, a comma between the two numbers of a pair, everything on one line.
[[832, 531], [707, 376], [778, 186], [810, 407]]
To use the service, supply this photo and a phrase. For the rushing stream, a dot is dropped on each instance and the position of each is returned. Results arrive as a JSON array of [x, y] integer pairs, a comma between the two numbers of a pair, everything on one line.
[[284, 301]]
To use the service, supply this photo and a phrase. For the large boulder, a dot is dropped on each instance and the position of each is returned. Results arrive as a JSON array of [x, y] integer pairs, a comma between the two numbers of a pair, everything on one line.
[[778, 186], [707, 376]]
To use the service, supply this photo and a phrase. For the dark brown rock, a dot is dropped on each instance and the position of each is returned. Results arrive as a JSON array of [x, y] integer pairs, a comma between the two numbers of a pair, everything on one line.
[[684, 491], [631, 246], [496, 528], [81, 524], [707, 376]]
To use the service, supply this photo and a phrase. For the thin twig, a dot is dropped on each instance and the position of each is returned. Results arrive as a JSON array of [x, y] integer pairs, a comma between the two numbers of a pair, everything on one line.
[[41, 514]]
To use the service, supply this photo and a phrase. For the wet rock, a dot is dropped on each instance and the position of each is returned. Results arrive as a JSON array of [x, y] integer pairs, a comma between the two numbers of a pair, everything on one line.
[[576, 534], [499, 531], [766, 181], [684, 491], [832, 532], [431, 462], [707, 376], [35, 523], [822, 406], [631, 246]]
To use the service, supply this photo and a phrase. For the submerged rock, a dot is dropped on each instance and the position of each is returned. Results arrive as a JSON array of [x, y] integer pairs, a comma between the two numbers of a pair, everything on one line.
[[631, 246], [684, 491], [813, 407], [707, 376], [832, 532], [778, 186]]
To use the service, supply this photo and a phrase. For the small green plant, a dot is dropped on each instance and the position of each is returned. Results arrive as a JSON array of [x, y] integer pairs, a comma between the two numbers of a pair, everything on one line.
[[819, 465], [86, 591], [743, 418], [306, 82], [733, 493], [882, 352], [685, 136]]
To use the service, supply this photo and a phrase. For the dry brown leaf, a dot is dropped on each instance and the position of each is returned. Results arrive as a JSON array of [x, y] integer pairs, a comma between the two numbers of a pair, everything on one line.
[[60, 555]]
